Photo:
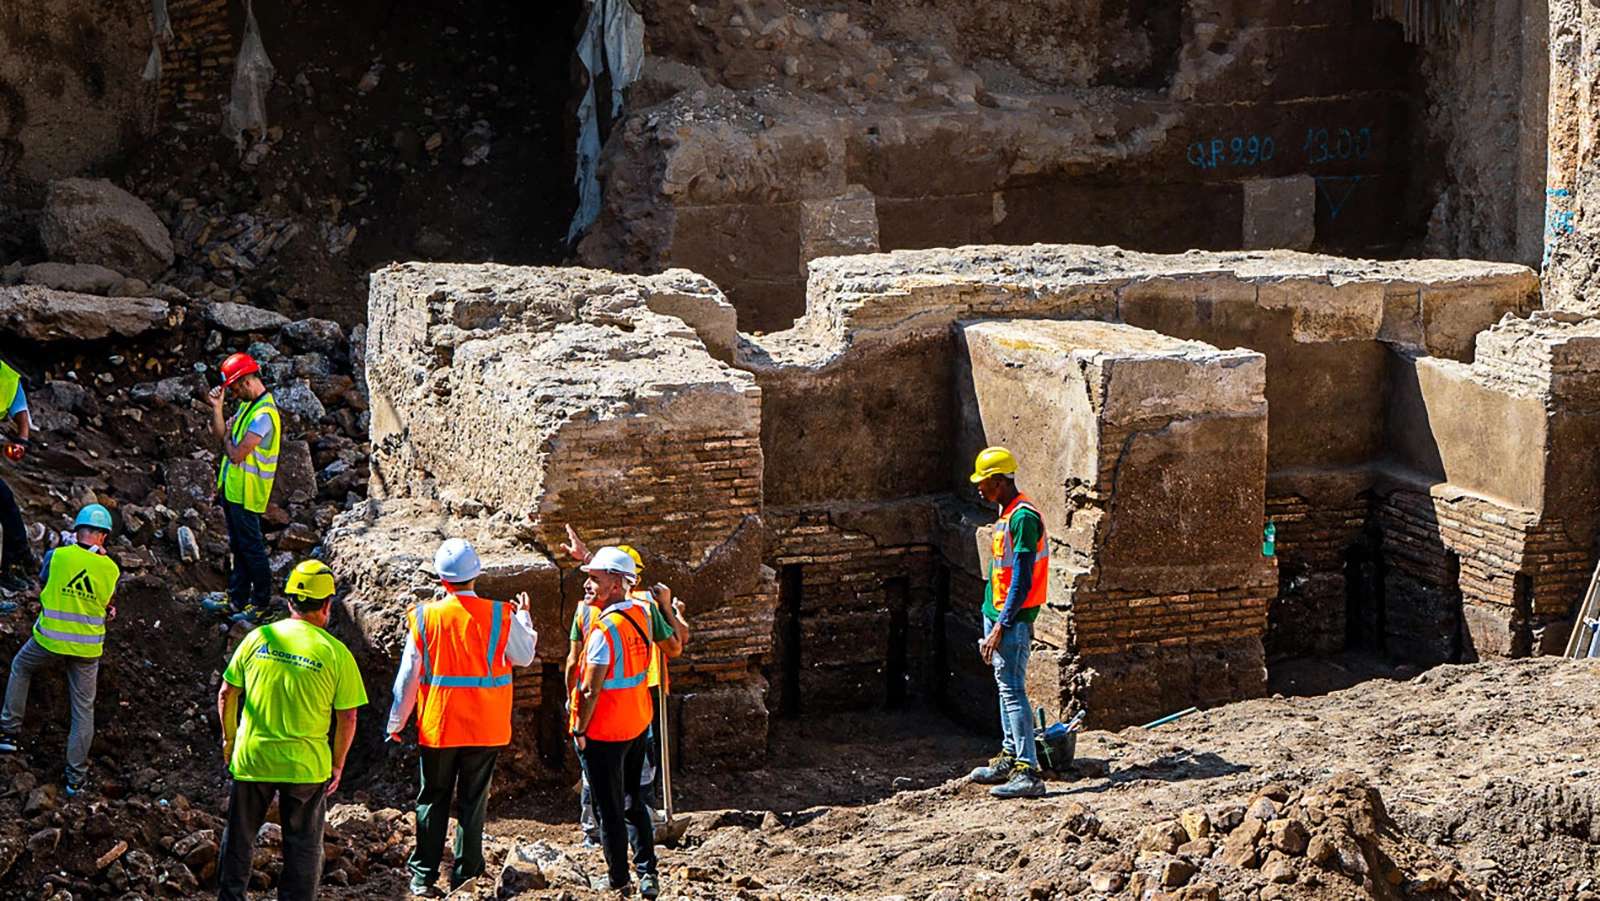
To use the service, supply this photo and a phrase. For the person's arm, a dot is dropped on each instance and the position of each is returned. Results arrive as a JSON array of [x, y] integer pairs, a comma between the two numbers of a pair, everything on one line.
[[1021, 584], [588, 700], [24, 423], [680, 625], [228, 712], [344, 732], [44, 571], [236, 453], [575, 546], [662, 633], [406, 683], [523, 641], [574, 649]]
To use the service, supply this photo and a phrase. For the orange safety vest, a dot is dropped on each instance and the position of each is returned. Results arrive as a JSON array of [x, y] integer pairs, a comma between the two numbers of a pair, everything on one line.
[[1005, 558], [624, 709], [465, 696], [658, 661]]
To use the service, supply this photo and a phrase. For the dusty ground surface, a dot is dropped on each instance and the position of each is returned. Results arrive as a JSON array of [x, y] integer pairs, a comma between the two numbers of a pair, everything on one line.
[[1484, 774]]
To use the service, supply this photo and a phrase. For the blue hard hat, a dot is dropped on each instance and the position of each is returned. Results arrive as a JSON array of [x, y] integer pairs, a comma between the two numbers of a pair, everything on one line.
[[94, 516], [456, 561]]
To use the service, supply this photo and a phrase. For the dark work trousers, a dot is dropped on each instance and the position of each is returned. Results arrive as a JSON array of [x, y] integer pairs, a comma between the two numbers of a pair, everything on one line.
[[463, 773], [652, 752], [251, 582], [613, 769], [14, 546], [300, 813]]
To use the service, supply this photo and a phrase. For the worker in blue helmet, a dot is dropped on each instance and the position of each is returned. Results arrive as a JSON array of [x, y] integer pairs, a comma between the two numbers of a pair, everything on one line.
[[80, 583]]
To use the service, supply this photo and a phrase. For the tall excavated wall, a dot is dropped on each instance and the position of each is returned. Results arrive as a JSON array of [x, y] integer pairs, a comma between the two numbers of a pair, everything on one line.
[[810, 500]]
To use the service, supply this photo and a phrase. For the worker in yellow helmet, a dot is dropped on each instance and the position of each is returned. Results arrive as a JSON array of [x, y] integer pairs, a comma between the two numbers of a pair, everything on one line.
[[669, 635], [286, 682], [1013, 595]]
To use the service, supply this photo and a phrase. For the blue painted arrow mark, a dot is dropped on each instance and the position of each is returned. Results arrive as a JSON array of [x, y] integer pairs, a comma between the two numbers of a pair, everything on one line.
[[1334, 206]]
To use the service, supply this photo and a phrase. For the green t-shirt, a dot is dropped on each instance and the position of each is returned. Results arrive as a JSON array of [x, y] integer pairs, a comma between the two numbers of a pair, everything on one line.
[[660, 629], [294, 676], [1026, 528]]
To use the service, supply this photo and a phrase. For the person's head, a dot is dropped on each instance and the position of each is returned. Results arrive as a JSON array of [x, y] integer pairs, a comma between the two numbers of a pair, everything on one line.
[[93, 525], [310, 590], [995, 472], [457, 565], [241, 376], [611, 573]]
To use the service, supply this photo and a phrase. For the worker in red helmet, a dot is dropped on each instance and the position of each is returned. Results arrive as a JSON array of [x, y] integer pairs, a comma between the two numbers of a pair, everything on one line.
[[250, 444]]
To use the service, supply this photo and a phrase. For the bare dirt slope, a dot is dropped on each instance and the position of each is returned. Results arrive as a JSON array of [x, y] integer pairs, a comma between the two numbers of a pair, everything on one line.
[[1488, 765]]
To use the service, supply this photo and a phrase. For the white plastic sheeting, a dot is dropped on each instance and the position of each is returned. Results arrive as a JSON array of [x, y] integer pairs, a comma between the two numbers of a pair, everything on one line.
[[612, 42], [252, 75], [160, 30]]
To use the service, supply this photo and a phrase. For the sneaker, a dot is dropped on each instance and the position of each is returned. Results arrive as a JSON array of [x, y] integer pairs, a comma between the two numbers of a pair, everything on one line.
[[218, 603], [649, 887], [425, 890], [998, 770], [591, 841], [9, 743], [1024, 783], [75, 787], [252, 615]]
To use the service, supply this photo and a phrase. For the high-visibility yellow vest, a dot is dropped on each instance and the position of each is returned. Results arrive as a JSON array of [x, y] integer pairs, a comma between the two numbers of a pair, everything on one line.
[[10, 379], [75, 597], [250, 483]]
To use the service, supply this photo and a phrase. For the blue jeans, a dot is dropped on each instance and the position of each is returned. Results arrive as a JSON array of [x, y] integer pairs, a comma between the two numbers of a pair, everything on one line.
[[1011, 675]]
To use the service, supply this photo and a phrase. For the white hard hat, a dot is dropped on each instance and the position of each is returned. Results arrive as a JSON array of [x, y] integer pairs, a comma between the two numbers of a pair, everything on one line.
[[456, 561], [613, 560]]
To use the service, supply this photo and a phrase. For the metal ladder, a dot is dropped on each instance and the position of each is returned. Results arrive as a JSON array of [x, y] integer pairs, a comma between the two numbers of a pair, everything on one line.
[[1585, 638]]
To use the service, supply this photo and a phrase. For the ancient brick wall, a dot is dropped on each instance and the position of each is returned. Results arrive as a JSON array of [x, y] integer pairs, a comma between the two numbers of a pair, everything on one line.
[[1314, 539], [197, 64]]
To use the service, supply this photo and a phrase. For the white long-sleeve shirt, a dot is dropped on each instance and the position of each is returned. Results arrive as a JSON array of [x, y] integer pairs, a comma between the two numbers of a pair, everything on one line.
[[521, 644]]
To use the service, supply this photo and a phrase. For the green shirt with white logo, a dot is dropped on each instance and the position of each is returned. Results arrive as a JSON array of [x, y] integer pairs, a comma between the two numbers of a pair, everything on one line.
[[294, 676]]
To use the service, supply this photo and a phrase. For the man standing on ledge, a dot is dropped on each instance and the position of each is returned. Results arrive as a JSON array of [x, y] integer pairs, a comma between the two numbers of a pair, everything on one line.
[[1019, 569], [249, 463], [456, 673], [285, 683]]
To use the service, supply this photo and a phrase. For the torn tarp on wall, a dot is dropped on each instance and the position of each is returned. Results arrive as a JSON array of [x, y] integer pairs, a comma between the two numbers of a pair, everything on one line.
[[252, 76], [610, 48], [160, 30]]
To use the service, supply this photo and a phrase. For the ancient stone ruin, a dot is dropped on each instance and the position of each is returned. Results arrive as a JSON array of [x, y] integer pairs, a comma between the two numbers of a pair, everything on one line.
[[805, 492]]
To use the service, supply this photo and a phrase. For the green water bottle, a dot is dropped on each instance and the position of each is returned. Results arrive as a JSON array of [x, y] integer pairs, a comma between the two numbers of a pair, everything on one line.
[[1269, 540]]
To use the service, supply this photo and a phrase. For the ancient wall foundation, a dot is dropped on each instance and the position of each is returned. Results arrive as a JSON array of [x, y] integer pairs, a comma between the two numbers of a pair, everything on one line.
[[805, 492]]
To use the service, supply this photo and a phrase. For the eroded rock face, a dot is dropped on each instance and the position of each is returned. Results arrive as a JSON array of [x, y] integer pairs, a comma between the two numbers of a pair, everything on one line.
[[94, 221], [509, 402]]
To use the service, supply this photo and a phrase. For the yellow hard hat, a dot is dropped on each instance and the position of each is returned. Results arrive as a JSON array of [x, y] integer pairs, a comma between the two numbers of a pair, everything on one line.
[[311, 579], [638, 561], [993, 461]]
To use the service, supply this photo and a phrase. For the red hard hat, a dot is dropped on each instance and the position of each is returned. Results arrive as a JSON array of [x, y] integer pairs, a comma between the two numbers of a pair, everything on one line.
[[237, 367]]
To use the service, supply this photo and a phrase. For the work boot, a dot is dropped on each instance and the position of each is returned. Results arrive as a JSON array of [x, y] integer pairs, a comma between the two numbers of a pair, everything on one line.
[[998, 770], [10, 743], [1024, 783], [253, 615], [15, 578], [218, 603], [648, 886], [74, 786]]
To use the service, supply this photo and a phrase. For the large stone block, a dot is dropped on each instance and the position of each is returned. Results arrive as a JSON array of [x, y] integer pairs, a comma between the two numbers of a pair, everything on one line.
[[94, 221], [1161, 442]]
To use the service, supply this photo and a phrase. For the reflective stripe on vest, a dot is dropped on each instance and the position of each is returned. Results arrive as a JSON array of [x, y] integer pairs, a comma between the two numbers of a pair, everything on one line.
[[464, 699], [249, 482], [624, 709], [658, 661], [72, 618], [1004, 558], [10, 379]]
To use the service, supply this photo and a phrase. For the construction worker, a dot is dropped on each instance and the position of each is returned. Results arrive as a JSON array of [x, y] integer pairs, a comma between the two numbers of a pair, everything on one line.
[[80, 582], [250, 445], [456, 672], [285, 683], [1019, 570], [610, 715], [15, 558], [668, 634]]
